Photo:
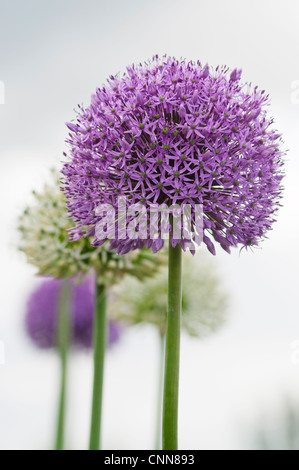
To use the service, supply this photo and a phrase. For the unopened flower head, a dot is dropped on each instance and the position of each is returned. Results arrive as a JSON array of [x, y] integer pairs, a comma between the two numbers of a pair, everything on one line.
[[171, 132], [45, 241], [43, 311], [204, 302]]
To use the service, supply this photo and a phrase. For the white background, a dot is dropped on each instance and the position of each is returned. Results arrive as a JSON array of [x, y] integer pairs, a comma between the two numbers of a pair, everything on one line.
[[53, 55]]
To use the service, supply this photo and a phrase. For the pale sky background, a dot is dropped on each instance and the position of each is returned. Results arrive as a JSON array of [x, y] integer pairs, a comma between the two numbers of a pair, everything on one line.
[[53, 54]]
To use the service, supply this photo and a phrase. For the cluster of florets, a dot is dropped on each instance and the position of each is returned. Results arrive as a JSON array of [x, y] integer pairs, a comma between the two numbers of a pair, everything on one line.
[[42, 315], [45, 241], [175, 132], [204, 303]]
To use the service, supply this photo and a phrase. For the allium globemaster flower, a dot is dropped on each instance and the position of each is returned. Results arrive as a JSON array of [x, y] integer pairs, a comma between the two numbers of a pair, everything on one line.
[[175, 132], [44, 239], [43, 310], [60, 315], [204, 303]]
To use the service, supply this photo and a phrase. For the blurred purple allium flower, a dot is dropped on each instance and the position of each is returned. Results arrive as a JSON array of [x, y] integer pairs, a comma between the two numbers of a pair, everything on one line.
[[172, 132], [43, 309]]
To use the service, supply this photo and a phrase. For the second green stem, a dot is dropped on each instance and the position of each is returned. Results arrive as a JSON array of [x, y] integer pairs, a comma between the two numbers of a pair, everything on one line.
[[63, 340], [172, 350], [100, 327]]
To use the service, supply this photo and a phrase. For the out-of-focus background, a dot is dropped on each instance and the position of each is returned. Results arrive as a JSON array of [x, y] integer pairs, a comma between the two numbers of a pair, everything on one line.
[[53, 54]]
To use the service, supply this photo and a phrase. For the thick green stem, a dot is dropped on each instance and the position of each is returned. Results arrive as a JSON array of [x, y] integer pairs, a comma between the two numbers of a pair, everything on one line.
[[63, 339], [100, 327], [172, 350], [160, 390]]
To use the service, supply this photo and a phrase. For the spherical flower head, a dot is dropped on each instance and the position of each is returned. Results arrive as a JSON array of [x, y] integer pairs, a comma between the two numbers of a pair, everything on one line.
[[45, 240], [204, 303], [171, 132], [43, 313]]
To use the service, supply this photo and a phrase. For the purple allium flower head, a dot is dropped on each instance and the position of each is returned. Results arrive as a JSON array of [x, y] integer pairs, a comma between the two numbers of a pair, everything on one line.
[[43, 309], [175, 132]]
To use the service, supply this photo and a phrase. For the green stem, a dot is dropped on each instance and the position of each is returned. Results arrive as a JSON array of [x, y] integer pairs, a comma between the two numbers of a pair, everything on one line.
[[172, 350], [160, 390], [63, 340], [100, 327]]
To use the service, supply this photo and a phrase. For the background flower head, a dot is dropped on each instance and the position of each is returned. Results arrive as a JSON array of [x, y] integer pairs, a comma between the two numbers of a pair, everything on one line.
[[43, 309], [175, 132], [204, 302], [44, 239]]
